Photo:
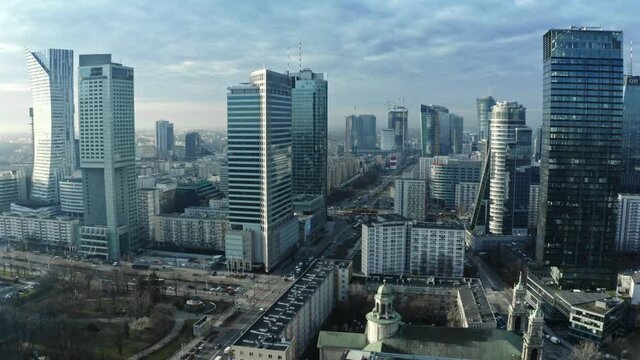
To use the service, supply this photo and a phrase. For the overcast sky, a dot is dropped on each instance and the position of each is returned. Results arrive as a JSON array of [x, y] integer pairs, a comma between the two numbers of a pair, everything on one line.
[[186, 53]]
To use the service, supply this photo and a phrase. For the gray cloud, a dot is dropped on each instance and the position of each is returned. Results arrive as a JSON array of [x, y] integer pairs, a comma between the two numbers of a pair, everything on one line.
[[187, 53]]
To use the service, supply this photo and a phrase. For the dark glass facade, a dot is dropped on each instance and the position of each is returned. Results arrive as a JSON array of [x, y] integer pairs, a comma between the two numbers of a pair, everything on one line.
[[580, 167], [360, 134], [192, 145], [309, 132], [399, 122], [630, 181]]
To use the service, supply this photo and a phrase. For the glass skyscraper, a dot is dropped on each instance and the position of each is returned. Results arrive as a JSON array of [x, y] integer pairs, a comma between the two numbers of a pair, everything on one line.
[[164, 139], [399, 122], [309, 132], [263, 228], [441, 131], [630, 181], [360, 134], [192, 145], [580, 166], [484, 105], [509, 170], [107, 157], [51, 74]]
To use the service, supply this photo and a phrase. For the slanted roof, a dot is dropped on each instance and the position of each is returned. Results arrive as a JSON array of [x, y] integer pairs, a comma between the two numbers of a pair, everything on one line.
[[462, 343], [342, 340]]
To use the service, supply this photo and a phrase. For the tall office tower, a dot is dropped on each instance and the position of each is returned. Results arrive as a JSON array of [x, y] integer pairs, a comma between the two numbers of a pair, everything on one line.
[[580, 167], [51, 74], [360, 134], [309, 132], [509, 169], [628, 228], [399, 122], [107, 157], [263, 228], [164, 139], [484, 105], [537, 144], [441, 131], [410, 197], [387, 139], [193, 145], [630, 180]]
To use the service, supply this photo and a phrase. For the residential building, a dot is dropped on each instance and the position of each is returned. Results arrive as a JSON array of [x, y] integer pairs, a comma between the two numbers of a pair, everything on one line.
[[509, 169], [628, 287], [165, 143], [580, 167], [534, 197], [360, 134], [399, 122], [193, 232], [107, 157], [193, 146], [446, 173], [260, 175], [410, 198], [466, 194], [341, 170], [441, 131], [628, 227], [71, 197], [284, 330], [309, 132], [630, 180], [40, 231], [387, 139], [395, 245], [51, 74]]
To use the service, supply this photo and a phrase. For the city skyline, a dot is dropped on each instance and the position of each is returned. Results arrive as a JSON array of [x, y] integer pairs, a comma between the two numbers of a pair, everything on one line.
[[185, 82]]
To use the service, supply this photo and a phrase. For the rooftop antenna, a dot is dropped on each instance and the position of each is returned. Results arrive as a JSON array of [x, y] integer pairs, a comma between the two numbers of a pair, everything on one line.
[[300, 56], [355, 109], [288, 59], [631, 60]]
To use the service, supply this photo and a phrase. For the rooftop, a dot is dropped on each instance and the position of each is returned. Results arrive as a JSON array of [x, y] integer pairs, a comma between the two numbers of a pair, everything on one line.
[[266, 332]]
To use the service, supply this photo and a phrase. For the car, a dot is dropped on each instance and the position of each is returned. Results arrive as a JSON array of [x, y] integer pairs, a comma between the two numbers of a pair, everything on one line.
[[217, 347], [261, 309], [191, 287]]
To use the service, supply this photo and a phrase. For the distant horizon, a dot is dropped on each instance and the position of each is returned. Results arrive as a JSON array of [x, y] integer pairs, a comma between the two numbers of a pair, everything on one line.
[[374, 54]]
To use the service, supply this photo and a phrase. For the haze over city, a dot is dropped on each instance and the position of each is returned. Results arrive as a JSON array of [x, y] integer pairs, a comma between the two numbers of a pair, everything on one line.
[[375, 52]]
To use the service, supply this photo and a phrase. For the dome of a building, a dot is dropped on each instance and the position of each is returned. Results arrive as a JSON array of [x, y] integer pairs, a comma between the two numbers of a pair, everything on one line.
[[384, 289]]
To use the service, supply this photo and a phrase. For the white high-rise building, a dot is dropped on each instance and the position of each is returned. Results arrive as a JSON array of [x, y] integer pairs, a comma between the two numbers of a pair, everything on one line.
[[466, 195], [410, 196], [263, 228], [107, 157], [51, 74], [509, 169], [71, 196], [395, 245], [628, 228]]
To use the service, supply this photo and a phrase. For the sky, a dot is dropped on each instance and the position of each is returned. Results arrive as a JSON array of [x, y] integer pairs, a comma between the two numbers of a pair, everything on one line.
[[375, 53]]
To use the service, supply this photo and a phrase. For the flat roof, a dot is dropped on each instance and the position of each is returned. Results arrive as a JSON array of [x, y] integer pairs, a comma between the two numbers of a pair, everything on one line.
[[266, 331]]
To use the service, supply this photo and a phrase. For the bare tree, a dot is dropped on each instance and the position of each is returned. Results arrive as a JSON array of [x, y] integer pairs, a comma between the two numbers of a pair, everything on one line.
[[586, 350]]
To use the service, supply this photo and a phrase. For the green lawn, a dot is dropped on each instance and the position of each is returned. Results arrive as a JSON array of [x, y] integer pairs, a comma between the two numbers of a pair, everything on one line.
[[185, 336]]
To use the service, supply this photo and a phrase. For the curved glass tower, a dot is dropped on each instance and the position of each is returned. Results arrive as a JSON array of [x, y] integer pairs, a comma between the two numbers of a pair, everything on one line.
[[51, 75]]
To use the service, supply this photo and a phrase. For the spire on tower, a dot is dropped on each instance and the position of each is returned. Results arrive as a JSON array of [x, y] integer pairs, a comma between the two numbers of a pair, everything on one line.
[[300, 56]]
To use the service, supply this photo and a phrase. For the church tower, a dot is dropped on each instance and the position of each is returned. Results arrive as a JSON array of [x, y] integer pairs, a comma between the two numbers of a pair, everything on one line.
[[533, 339], [517, 321], [383, 321]]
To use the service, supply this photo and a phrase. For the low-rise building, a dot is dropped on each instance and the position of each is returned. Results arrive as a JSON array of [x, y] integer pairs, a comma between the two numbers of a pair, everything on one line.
[[477, 242], [58, 232], [312, 216], [286, 328], [198, 232], [598, 322]]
